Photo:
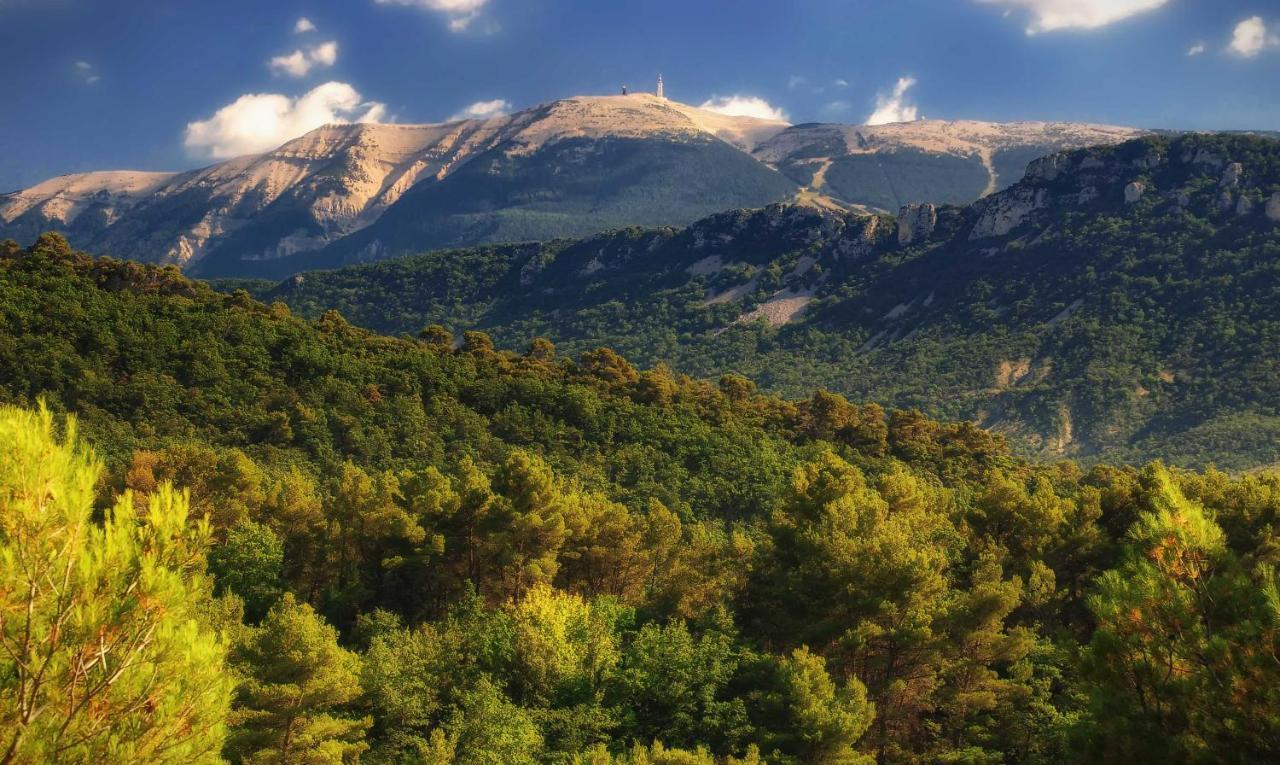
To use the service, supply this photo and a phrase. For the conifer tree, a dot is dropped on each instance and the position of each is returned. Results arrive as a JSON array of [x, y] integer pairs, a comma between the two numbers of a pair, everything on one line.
[[298, 679], [103, 656]]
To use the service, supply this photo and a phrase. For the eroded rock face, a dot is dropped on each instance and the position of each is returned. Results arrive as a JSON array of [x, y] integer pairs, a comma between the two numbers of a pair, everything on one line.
[[1003, 212], [1244, 206], [1273, 207], [1202, 157], [1149, 161], [1231, 176], [1047, 168], [1226, 200], [859, 241], [1134, 191], [916, 222]]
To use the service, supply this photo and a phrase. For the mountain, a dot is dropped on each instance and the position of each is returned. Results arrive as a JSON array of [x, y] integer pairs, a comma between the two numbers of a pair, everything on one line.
[[884, 167], [1118, 302], [573, 167], [340, 178]]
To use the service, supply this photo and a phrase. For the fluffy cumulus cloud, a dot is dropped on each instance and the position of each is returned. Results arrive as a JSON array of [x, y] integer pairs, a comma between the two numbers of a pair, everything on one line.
[[1197, 49], [301, 62], [460, 13], [483, 110], [1251, 37], [895, 106], [257, 122], [744, 106], [303, 25], [1052, 15]]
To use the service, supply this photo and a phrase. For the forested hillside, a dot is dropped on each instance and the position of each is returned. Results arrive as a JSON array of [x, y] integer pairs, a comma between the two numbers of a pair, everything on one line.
[[425, 553], [1119, 303]]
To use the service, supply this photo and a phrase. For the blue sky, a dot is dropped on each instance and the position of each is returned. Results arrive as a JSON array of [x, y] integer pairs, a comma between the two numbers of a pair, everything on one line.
[[110, 84]]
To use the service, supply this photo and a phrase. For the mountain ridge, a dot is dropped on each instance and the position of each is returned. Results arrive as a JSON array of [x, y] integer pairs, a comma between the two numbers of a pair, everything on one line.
[[1118, 303], [339, 180]]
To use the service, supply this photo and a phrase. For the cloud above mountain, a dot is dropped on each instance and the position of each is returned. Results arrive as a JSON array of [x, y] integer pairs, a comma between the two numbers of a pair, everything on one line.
[[895, 106], [744, 106], [1054, 15], [460, 13], [303, 25], [301, 62], [483, 110], [258, 122]]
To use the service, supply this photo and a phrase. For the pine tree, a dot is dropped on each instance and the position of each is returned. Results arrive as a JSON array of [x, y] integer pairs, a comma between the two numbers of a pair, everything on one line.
[[1182, 664], [298, 679], [103, 656], [826, 720]]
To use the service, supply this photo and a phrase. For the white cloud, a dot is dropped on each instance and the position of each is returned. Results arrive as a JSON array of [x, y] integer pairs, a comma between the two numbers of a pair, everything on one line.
[[895, 107], [745, 106], [1197, 49], [303, 25], [483, 110], [841, 83], [86, 72], [300, 63], [1051, 15], [1251, 38], [257, 122], [325, 54], [459, 12]]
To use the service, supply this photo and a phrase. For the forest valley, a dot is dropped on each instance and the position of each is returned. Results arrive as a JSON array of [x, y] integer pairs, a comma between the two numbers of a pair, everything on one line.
[[231, 534]]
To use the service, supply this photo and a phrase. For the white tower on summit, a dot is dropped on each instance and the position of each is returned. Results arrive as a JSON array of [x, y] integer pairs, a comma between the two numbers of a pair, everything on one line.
[[660, 93]]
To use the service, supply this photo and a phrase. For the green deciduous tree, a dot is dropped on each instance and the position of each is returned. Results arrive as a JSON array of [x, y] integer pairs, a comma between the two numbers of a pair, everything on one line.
[[249, 564], [488, 729], [672, 687]]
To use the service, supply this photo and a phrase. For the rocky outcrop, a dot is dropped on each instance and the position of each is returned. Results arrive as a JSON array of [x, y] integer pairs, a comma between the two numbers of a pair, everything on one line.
[[1134, 191], [1048, 168], [916, 222], [859, 241], [1202, 157], [1231, 176], [1226, 200], [1003, 212], [1273, 207], [1149, 161]]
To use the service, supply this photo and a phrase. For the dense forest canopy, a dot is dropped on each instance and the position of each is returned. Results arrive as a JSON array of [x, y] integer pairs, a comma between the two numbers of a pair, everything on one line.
[[1076, 320], [402, 550]]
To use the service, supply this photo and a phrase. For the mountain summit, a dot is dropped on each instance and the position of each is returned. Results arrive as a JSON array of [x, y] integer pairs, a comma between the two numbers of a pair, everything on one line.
[[345, 193]]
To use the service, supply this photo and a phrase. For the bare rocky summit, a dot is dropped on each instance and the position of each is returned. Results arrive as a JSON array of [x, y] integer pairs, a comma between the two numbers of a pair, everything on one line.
[[338, 180]]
